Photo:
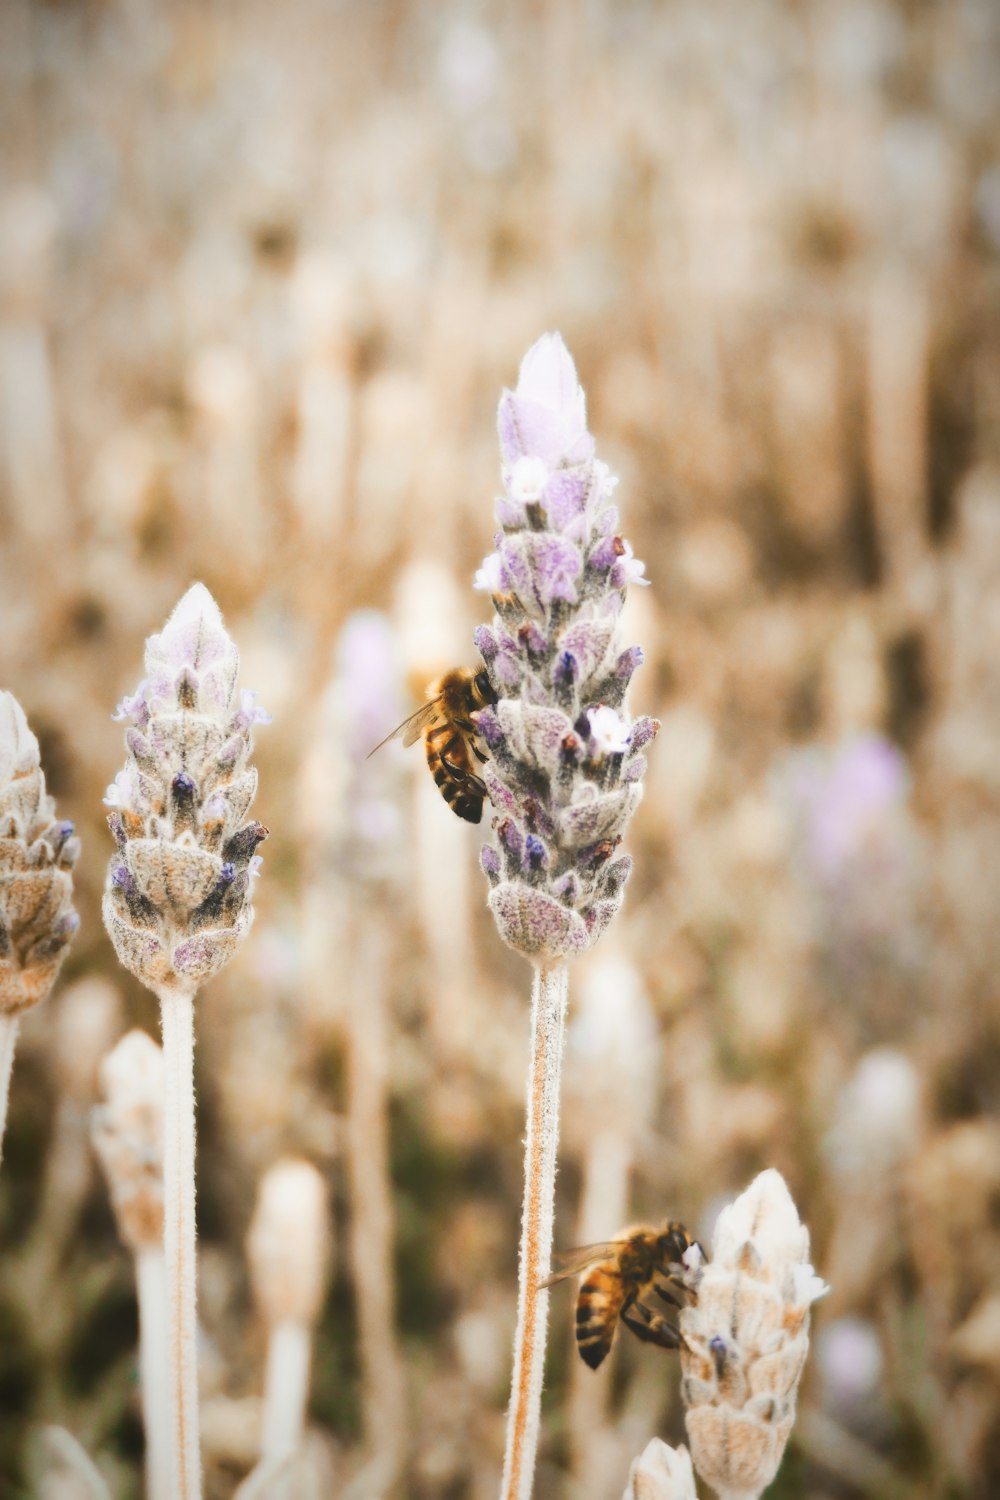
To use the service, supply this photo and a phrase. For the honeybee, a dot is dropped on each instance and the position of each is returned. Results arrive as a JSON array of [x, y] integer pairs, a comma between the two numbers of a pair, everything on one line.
[[624, 1272], [451, 743]]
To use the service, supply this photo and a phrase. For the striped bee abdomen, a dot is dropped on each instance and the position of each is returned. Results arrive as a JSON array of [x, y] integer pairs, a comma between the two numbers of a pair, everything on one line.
[[448, 762], [597, 1310]]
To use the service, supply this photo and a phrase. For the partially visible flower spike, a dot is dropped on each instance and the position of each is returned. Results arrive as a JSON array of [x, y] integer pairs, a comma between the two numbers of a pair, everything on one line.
[[177, 903], [37, 854], [566, 771], [746, 1335], [127, 1133]]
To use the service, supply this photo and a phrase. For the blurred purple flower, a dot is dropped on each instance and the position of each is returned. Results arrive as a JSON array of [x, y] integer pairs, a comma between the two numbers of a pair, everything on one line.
[[365, 691], [855, 849], [841, 799]]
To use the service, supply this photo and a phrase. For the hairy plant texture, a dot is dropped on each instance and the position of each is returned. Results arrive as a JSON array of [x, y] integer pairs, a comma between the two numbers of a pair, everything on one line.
[[567, 759]]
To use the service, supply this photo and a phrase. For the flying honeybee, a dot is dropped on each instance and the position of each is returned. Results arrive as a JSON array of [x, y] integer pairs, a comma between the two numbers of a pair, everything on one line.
[[623, 1272], [451, 743]]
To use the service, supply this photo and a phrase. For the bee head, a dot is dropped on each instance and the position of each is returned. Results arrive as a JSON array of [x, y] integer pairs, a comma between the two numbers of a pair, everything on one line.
[[483, 688]]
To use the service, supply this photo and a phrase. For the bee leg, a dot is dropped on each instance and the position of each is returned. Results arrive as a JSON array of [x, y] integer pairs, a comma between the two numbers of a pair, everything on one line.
[[651, 1327], [467, 780], [482, 759], [676, 1291], [464, 778]]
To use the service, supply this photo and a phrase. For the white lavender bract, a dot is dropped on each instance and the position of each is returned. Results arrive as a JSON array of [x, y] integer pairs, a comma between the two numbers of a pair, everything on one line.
[[745, 1338], [567, 760], [37, 854], [177, 898]]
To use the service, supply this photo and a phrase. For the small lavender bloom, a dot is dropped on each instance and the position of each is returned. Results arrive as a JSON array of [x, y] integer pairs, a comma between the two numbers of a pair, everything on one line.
[[177, 899], [37, 854], [565, 776]]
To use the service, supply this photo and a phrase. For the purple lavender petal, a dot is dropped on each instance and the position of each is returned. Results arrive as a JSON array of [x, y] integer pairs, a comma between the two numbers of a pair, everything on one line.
[[533, 923], [556, 565], [565, 497]]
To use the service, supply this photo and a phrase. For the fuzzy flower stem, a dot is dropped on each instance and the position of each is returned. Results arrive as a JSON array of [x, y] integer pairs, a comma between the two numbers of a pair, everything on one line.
[[8, 1041], [151, 1287], [548, 1015], [286, 1390], [177, 1015]]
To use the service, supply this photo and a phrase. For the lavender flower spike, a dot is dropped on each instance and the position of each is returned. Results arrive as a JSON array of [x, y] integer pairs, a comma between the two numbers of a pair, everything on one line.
[[177, 906], [37, 854], [177, 900], [567, 762]]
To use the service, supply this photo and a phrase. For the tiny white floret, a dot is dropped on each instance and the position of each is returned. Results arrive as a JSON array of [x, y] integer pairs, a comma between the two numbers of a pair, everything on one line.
[[693, 1257], [527, 479], [808, 1287], [487, 577], [609, 732]]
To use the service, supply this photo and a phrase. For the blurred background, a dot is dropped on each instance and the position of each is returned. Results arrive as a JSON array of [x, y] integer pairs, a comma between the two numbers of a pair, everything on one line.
[[263, 273]]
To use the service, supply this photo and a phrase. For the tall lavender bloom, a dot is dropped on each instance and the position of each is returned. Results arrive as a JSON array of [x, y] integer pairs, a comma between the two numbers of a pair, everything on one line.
[[565, 774], [568, 759], [177, 906]]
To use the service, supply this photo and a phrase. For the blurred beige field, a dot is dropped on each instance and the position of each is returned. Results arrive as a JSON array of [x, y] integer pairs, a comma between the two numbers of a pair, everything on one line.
[[264, 271]]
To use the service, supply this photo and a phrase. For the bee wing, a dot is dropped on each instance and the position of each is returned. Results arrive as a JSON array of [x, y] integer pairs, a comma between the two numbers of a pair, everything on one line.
[[412, 728], [572, 1262]]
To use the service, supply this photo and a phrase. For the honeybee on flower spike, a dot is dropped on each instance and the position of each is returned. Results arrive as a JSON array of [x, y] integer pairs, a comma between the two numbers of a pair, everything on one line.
[[622, 1273], [452, 744]]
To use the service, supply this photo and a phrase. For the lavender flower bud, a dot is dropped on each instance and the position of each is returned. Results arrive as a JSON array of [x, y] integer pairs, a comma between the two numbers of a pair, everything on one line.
[[289, 1243], [177, 897], [746, 1335], [566, 774], [37, 854], [661, 1473], [127, 1132]]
